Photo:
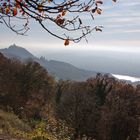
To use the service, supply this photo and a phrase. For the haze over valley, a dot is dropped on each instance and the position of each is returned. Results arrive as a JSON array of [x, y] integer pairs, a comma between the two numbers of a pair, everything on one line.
[[107, 60], [70, 65]]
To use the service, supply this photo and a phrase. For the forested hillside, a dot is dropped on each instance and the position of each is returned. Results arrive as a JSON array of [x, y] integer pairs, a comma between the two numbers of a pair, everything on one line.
[[33, 106], [61, 70]]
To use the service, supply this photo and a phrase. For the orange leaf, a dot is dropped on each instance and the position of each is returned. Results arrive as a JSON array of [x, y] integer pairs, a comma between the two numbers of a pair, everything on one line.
[[7, 10], [40, 8], [99, 11], [18, 6], [64, 13], [15, 11], [66, 42]]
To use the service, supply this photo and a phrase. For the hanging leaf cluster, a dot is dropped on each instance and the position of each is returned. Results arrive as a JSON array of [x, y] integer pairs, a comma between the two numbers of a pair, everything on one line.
[[66, 15]]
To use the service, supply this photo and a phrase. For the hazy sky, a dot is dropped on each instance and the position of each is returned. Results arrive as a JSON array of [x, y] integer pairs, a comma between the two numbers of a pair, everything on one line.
[[121, 31]]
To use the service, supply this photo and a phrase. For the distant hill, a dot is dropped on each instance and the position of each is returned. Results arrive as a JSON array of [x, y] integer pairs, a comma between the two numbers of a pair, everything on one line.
[[60, 70], [16, 52]]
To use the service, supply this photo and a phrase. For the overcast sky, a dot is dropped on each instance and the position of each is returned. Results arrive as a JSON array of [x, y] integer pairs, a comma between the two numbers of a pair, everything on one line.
[[121, 31]]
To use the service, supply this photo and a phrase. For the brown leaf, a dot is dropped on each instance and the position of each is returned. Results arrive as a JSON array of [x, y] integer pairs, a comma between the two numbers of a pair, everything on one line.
[[86, 8], [99, 11], [64, 12], [40, 8], [99, 2], [114, 0], [59, 21], [98, 29], [94, 10], [50, 1], [66, 42]]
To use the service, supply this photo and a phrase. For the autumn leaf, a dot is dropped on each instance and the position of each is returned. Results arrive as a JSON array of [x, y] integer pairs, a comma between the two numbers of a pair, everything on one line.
[[17, 5], [94, 10], [114, 0], [98, 29], [40, 8], [15, 11], [99, 11], [66, 42], [64, 12], [86, 8], [99, 2], [50, 1], [19, 0], [7, 10], [59, 21]]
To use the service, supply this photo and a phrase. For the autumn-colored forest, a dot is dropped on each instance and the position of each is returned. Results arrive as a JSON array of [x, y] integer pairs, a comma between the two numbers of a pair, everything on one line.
[[34, 106]]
